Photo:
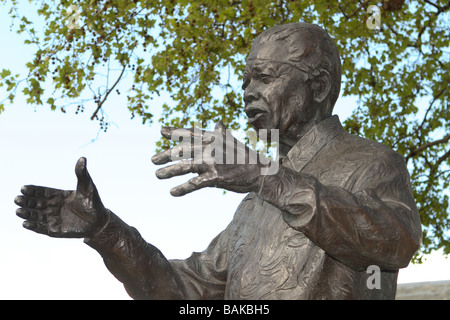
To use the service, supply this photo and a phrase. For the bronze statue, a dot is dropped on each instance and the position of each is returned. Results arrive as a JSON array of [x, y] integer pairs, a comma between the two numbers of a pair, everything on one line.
[[336, 206]]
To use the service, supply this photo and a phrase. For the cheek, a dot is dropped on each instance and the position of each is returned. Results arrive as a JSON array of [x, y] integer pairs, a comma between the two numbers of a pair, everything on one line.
[[296, 109], [291, 110], [274, 100], [287, 102], [274, 95], [300, 103]]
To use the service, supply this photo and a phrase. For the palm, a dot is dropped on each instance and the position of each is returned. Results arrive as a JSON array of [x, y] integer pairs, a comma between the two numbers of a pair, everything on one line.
[[75, 216]]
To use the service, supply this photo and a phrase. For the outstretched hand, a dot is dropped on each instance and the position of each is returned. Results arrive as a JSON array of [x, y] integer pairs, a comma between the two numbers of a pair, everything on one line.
[[216, 156], [61, 213]]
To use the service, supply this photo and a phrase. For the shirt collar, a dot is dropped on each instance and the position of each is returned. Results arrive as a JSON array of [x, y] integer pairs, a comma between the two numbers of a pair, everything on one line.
[[312, 142]]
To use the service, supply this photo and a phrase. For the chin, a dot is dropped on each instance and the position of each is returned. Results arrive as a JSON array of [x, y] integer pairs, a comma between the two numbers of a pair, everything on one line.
[[265, 133], [259, 123]]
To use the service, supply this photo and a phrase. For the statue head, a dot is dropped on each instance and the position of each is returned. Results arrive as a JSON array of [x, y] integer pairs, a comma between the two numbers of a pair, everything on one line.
[[292, 79]]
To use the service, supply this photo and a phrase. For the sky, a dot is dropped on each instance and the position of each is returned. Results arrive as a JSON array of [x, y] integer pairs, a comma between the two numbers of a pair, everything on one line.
[[41, 147]]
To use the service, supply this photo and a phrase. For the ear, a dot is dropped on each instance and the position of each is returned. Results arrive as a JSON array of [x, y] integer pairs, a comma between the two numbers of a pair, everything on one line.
[[322, 86]]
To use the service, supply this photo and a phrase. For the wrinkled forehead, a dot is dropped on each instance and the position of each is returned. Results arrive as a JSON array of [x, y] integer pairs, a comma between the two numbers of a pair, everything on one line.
[[273, 50], [274, 53], [292, 48]]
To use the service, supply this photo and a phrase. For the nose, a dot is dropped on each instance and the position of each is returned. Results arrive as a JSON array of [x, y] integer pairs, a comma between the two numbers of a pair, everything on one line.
[[251, 93]]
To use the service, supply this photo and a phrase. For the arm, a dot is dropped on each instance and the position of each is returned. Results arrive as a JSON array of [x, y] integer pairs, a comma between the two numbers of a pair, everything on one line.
[[147, 274], [80, 214], [378, 224], [141, 267]]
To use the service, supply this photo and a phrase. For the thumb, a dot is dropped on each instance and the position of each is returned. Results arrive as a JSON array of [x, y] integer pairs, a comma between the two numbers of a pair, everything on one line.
[[220, 127], [84, 185]]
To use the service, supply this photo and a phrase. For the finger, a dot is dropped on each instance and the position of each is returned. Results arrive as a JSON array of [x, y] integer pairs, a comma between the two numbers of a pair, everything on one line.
[[183, 167], [40, 192], [191, 134], [163, 157], [28, 202], [35, 226], [196, 183], [179, 152], [30, 225], [176, 133], [84, 184], [54, 227], [23, 213], [30, 214], [21, 201], [38, 215]]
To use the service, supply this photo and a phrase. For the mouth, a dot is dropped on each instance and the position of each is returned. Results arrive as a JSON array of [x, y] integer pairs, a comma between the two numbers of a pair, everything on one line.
[[254, 113]]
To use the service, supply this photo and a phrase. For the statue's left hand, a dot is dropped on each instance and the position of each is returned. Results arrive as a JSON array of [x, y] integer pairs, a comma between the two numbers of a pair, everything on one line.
[[238, 176]]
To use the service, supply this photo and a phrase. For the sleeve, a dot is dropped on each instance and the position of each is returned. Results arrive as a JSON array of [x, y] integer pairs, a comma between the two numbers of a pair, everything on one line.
[[147, 274], [141, 267], [376, 223]]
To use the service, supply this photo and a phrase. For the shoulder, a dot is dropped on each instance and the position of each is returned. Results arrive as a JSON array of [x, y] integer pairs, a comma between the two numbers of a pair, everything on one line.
[[370, 151], [377, 166]]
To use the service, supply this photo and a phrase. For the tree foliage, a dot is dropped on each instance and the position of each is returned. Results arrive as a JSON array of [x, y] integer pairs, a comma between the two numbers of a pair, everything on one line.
[[195, 51]]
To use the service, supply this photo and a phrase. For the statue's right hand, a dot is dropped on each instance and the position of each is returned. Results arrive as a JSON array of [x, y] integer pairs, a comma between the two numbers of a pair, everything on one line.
[[61, 213]]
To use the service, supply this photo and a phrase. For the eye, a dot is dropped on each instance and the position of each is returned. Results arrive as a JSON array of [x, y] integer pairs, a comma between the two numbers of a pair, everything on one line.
[[266, 78]]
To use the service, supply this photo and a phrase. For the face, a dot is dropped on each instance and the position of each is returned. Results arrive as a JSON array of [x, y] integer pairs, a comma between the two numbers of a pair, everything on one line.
[[277, 96]]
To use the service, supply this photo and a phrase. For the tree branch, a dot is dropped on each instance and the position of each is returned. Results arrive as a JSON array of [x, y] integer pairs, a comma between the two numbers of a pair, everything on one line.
[[433, 170], [100, 103], [433, 4], [428, 145], [435, 97], [361, 5], [439, 8]]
